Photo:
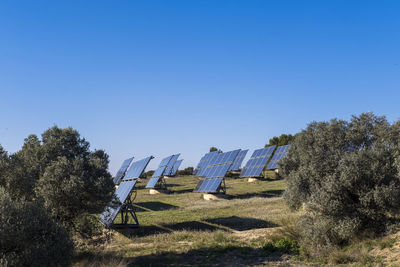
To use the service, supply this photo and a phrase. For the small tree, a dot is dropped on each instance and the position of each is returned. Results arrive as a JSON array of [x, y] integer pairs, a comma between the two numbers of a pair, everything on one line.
[[283, 139], [346, 175], [29, 236], [73, 180], [186, 171], [213, 148]]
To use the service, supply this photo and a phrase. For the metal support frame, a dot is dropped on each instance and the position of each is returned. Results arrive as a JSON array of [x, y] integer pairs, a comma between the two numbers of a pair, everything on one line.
[[223, 186], [128, 210], [161, 184]]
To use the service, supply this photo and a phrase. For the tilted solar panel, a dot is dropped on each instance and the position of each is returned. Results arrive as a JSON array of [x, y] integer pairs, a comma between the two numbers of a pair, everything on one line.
[[256, 164], [137, 168], [280, 152], [121, 172], [238, 161], [166, 160], [152, 182], [219, 164], [159, 172], [170, 165], [210, 185], [204, 162], [120, 196], [196, 189], [176, 167]]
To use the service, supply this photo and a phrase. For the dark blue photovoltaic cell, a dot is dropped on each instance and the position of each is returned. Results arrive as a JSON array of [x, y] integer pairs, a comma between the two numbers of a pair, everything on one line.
[[196, 189], [119, 197], [210, 185], [176, 167], [279, 153], [204, 162], [152, 182], [165, 161], [159, 172], [219, 165], [171, 164], [121, 172], [255, 165], [238, 161], [137, 168]]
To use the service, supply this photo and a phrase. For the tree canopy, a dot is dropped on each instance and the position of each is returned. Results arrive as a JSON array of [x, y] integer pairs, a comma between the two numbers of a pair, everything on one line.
[[60, 171], [29, 236], [283, 139], [347, 177], [213, 148]]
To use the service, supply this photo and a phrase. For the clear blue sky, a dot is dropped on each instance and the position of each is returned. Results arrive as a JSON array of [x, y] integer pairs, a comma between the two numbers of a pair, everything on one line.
[[160, 77]]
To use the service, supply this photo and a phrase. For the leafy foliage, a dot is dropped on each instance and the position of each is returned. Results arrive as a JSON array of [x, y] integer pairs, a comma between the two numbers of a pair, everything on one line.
[[346, 176], [213, 148], [283, 139], [73, 179], [59, 171], [186, 171], [29, 236]]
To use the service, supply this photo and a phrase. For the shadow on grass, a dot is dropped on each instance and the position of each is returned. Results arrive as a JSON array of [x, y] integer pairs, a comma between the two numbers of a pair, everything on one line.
[[214, 256], [192, 226], [153, 206], [242, 224], [182, 191], [266, 194], [142, 231]]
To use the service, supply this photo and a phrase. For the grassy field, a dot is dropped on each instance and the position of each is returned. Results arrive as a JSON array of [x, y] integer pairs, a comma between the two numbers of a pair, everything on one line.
[[181, 228]]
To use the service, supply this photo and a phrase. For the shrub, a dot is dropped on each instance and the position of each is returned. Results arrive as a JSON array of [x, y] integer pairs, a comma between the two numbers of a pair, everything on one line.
[[346, 176], [283, 245], [186, 171], [30, 237]]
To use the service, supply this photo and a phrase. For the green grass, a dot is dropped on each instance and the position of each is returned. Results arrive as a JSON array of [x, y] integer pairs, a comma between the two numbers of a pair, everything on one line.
[[181, 227]]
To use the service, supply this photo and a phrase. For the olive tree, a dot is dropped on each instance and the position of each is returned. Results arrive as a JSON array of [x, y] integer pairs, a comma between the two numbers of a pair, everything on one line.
[[29, 236], [346, 177], [72, 179]]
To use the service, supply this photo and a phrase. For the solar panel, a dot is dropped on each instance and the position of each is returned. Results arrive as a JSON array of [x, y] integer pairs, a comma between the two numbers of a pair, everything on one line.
[[176, 167], [120, 196], [237, 163], [159, 172], [210, 185], [121, 172], [204, 161], [257, 162], [152, 182], [196, 189], [170, 165], [137, 168], [280, 152], [219, 164]]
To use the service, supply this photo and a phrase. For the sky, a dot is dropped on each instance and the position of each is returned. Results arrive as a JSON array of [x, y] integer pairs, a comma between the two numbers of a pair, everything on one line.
[[140, 78]]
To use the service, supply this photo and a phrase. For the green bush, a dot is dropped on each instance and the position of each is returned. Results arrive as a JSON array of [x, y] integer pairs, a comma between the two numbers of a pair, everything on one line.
[[283, 245], [346, 177], [29, 236]]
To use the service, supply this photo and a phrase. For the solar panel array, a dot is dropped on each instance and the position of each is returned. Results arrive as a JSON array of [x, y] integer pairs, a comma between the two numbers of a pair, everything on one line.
[[170, 165], [159, 172], [204, 161], [219, 164], [208, 185], [176, 167], [257, 162], [121, 172], [280, 152], [237, 163], [137, 168], [113, 208]]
